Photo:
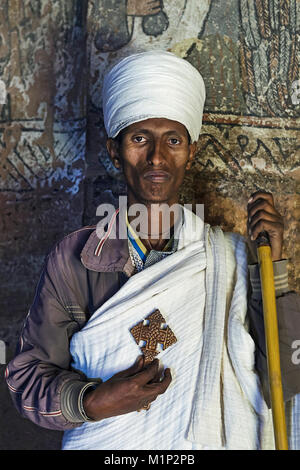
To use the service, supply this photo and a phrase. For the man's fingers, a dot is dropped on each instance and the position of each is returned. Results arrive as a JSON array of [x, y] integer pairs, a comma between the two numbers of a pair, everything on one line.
[[152, 390], [262, 215], [272, 228], [261, 204], [146, 380], [261, 195], [132, 370], [161, 386], [149, 373], [164, 384]]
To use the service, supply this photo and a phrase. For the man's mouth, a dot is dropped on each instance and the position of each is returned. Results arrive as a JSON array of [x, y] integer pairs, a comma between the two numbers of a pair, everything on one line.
[[157, 176]]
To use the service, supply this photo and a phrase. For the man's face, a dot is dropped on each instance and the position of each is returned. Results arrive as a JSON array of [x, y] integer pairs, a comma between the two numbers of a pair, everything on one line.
[[154, 155]]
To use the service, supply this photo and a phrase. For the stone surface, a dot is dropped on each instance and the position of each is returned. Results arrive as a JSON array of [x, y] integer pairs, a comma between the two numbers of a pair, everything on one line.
[[54, 168], [42, 164]]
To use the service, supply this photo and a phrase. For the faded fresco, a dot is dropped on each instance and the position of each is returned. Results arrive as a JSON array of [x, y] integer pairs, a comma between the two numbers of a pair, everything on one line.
[[119, 28], [54, 169], [44, 106], [248, 54], [42, 163]]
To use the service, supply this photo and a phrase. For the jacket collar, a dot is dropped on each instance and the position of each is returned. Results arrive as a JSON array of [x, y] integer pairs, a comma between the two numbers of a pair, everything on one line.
[[107, 254]]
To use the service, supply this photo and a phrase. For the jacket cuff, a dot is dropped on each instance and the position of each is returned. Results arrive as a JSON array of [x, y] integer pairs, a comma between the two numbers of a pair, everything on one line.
[[280, 278], [71, 397]]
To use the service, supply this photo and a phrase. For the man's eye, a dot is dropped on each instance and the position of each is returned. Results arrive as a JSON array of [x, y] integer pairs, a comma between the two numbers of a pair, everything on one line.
[[174, 141], [139, 138]]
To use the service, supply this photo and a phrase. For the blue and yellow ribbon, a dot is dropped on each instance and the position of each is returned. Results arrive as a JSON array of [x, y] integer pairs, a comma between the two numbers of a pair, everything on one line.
[[136, 242]]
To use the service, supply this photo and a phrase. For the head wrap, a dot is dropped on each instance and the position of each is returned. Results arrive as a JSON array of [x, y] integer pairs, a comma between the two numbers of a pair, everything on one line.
[[154, 84]]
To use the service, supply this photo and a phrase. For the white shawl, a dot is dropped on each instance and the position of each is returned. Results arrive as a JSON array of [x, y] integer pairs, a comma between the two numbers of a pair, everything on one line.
[[215, 399]]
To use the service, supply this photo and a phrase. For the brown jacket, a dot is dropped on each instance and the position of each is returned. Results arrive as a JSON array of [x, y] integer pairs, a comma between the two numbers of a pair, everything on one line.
[[74, 282]]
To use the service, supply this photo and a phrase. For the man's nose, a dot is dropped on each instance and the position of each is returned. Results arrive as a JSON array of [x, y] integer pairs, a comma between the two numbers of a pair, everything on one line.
[[155, 154]]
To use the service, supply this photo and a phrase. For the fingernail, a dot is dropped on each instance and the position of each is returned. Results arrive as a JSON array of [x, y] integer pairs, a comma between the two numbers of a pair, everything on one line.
[[252, 237]]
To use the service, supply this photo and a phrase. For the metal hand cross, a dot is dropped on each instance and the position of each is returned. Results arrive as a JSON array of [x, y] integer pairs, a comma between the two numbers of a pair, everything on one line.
[[153, 334]]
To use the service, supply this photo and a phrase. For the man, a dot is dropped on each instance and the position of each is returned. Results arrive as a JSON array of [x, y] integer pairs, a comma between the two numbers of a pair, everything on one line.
[[78, 366]]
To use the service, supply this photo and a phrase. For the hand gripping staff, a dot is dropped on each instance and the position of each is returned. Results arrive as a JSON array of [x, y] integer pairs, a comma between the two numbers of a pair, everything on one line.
[[272, 340]]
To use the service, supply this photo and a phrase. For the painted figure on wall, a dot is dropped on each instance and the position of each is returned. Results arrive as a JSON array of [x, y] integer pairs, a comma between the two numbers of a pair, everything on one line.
[[42, 104], [147, 23], [269, 56], [128, 26]]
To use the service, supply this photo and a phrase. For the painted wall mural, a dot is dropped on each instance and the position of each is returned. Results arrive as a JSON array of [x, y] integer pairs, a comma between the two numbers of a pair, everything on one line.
[[119, 28], [141, 24], [43, 118], [54, 169], [248, 54]]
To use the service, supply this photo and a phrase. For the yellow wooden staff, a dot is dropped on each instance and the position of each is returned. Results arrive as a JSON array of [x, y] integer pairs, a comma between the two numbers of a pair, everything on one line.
[[272, 340]]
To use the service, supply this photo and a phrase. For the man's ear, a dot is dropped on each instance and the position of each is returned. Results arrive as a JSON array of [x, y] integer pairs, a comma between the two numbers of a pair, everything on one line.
[[192, 151], [113, 149]]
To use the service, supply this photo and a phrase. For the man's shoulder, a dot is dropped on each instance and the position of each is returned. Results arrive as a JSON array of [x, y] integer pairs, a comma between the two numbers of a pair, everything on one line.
[[74, 240], [79, 235], [66, 251], [84, 246]]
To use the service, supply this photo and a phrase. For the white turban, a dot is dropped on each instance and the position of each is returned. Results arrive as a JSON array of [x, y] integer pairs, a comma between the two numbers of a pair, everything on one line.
[[154, 84]]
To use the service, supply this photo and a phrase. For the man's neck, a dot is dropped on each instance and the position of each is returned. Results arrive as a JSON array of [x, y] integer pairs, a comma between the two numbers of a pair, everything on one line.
[[155, 244], [156, 225]]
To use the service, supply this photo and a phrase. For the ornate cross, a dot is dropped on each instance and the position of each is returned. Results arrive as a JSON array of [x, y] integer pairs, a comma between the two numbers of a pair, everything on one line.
[[150, 330]]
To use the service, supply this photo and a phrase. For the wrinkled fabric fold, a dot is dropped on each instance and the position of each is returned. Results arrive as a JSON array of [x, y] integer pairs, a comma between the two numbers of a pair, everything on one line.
[[105, 346], [229, 411]]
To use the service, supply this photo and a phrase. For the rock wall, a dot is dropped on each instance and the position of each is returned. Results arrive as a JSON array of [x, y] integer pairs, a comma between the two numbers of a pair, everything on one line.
[[54, 169]]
